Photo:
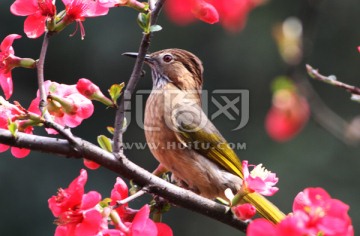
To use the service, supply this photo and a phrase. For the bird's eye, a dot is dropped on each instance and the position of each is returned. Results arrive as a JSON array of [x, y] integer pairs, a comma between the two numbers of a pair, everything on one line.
[[167, 58]]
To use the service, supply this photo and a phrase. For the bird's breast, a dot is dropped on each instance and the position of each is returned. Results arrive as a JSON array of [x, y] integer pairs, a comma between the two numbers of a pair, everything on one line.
[[189, 167]]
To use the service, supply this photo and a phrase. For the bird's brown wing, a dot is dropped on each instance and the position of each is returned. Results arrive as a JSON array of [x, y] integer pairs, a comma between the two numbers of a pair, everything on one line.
[[194, 128]]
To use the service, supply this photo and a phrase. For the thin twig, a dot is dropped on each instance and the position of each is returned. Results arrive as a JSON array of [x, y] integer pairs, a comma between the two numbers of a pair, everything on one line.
[[131, 197], [65, 132], [40, 74], [134, 79], [331, 79], [127, 169]]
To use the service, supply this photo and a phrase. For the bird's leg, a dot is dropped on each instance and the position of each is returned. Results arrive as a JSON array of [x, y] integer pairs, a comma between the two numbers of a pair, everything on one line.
[[160, 170]]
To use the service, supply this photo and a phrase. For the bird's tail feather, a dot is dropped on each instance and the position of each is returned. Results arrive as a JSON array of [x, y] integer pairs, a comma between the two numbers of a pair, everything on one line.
[[264, 207]]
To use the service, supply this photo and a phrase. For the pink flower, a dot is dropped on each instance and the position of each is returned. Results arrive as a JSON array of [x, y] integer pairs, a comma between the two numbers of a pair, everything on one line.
[[78, 10], [314, 213], [7, 62], [288, 115], [244, 211], [10, 113], [259, 180], [67, 106], [76, 212], [38, 12], [323, 213]]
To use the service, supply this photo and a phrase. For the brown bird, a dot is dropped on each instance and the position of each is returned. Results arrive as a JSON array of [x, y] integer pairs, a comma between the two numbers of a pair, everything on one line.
[[183, 139]]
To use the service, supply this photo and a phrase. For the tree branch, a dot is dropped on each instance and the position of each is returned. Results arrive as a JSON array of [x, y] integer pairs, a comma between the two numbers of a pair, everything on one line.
[[134, 79], [127, 169]]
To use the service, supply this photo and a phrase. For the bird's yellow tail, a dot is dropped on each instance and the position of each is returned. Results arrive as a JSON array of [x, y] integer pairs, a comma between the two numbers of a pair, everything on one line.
[[264, 207]]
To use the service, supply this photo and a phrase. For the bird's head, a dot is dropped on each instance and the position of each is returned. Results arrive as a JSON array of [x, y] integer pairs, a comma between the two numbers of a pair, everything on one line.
[[177, 66]]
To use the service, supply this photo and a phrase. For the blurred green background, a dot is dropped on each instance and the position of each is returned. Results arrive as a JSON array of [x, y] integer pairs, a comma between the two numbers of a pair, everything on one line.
[[244, 60]]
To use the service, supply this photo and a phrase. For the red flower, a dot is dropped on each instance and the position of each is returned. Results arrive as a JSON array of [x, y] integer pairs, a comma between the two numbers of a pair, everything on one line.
[[67, 106], [76, 212], [288, 115], [10, 113], [77, 10], [38, 12], [7, 62]]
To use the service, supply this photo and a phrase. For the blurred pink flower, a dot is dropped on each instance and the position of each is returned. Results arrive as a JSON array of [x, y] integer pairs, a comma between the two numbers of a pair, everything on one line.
[[67, 106], [259, 180], [287, 116], [231, 13], [38, 12]]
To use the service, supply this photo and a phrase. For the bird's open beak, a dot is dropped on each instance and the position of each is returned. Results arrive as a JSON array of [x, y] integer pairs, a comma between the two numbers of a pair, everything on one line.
[[135, 54]]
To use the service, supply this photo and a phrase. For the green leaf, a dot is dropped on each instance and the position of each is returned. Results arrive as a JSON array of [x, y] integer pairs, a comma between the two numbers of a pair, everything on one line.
[[12, 128], [144, 22], [155, 28], [104, 142], [115, 91]]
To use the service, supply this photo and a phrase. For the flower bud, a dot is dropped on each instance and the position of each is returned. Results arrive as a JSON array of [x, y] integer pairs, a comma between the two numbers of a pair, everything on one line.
[[91, 91], [245, 211]]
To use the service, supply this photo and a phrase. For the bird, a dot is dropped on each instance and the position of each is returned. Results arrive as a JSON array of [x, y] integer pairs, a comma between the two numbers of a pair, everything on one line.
[[183, 139]]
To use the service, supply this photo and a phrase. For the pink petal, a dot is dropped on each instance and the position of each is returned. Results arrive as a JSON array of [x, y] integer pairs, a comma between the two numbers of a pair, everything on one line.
[[19, 152], [90, 200], [34, 25], [91, 164], [24, 7], [120, 190], [163, 229], [7, 43], [3, 147], [90, 225], [142, 225], [6, 84], [261, 227], [61, 231]]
